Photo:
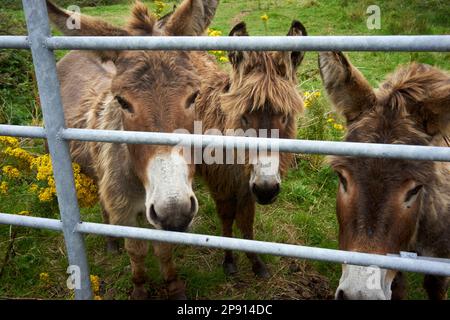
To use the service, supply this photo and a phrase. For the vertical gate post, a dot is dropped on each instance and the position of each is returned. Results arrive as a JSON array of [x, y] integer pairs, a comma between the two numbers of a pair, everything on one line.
[[49, 91]]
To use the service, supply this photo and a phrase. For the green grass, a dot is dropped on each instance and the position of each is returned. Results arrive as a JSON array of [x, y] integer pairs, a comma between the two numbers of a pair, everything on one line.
[[304, 213]]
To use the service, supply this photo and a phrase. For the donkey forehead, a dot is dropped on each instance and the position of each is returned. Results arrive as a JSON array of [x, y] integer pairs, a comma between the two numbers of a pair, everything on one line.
[[384, 175], [150, 68], [387, 124]]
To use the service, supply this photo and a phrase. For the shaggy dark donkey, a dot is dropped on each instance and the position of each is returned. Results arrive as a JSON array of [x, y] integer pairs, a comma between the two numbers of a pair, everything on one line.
[[385, 205]]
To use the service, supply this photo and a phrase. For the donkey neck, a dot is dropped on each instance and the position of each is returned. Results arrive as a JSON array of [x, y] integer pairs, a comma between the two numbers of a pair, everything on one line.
[[112, 160]]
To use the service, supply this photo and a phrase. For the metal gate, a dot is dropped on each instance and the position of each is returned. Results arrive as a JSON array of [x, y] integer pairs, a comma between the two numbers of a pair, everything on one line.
[[42, 44]]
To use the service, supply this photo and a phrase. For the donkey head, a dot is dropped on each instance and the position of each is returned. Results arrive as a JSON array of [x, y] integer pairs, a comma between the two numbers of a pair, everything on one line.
[[380, 201], [153, 91], [263, 100]]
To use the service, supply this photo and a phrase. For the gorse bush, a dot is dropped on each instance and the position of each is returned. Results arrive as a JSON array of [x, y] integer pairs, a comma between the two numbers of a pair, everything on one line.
[[318, 123], [25, 172]]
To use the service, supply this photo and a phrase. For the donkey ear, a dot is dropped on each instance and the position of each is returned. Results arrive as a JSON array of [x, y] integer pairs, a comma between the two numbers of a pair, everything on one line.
[[289, 61], [191, 18], [239, 30], [347, 88], [88, 27], [297, 29], [142, 22]]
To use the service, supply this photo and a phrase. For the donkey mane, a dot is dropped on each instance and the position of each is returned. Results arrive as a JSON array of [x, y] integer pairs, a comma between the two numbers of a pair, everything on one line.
[[414, 84], [259, 84]]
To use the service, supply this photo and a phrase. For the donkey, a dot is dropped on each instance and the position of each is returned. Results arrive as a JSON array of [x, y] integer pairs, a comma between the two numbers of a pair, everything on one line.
[[385, 205], [259, 94], [137, 91]]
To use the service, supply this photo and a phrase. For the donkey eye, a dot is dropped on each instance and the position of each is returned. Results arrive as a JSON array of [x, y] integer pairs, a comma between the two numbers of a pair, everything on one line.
[[284, 120], [191, 100], [244, 121], [413, 192], [343, 181], [124, 104]]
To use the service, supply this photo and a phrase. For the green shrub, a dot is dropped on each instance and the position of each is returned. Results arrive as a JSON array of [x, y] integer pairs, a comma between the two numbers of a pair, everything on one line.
[[18, 94]]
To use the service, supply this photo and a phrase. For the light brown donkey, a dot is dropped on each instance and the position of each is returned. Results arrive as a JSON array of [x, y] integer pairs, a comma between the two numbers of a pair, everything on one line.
[[386, 205], [137, 91], [259, 97]]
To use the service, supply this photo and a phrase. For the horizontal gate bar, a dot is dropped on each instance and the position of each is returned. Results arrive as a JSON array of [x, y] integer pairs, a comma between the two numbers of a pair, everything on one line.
[[422, 265], [14, 42], [270, 43], [436, 43], [22, 131], [374, 150], [31, 222], [283, 145]]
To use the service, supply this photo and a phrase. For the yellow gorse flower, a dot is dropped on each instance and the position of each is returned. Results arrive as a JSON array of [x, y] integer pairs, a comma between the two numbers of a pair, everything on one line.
[[43, 165], [4, 187], [160, 5], [264, 17], [309, 97], [338, 126], [9, 141], [95, 283], [18, 153], [44, 277], [11, 172], [24, 213], [221, 56], [214, 33], [38, 172], [46, 194]]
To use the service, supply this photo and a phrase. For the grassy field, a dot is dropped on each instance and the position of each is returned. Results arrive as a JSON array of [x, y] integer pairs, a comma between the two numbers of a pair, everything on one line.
[[33, 266]]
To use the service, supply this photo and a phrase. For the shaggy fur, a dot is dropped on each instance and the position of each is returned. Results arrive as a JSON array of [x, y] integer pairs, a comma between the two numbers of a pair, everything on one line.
[[158, 87], [411, 108]]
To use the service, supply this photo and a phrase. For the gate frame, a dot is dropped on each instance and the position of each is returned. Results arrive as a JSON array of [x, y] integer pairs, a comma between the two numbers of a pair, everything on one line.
[[42, 45]]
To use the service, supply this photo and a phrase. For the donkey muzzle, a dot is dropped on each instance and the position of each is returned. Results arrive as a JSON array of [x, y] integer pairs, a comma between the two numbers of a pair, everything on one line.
[[266, 192], [173, 214], [170, 201], [364, 283], [265, 180]]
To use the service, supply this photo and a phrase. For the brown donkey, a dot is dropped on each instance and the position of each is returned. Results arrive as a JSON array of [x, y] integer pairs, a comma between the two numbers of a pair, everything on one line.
[[385, 205], [137, 91], [259, 95]]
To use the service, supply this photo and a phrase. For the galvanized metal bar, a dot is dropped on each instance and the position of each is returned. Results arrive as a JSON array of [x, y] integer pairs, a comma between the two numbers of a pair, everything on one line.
[[22, 131], [283, 145], [14, 42], [439, 43], [31, 222], [429, 265], [277, 249], [48, 85]]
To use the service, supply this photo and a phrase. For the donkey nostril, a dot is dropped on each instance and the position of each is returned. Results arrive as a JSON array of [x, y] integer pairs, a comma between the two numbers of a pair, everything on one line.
[[193, 205], [341, 295], [277, 188], [153, 214]]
